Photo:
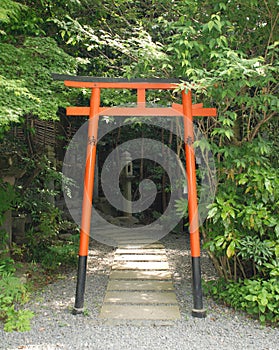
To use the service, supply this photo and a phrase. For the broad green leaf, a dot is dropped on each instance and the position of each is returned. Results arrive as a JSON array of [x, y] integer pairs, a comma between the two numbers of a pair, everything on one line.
[[231, 249], [212, 212]]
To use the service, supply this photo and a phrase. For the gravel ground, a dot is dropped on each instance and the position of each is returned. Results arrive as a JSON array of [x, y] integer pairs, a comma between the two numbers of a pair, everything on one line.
[[54, 327]]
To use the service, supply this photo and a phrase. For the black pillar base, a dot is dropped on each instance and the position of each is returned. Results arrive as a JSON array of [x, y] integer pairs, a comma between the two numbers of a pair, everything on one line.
[[198, 310], [199, 313], [76, 311], [80, 288]]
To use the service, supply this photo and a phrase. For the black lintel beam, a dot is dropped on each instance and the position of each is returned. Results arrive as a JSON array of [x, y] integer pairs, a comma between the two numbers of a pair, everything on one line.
[[65, 77]]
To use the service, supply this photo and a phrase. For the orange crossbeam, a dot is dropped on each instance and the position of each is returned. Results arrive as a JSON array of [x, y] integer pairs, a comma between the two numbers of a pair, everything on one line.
[[197, 110], [126, 111], [176, 111]]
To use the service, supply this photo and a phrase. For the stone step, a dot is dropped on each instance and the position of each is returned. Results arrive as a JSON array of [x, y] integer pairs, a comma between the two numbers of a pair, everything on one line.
[[124, 242], [139, 257], [140, 312], [143, 297], [139, 285], [154, 245], [149, 251], [140, 275], [140, 265]]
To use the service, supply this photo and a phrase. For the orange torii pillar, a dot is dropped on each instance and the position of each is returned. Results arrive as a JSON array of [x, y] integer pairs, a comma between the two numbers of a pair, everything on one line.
[[187, 110]]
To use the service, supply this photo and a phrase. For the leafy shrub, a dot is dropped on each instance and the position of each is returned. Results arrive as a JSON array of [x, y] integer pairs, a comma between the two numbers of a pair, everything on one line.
[[258, 298], [242, 231], [7, 266], [43, 244], [60, 255], [13, 293], [17, 320], [20, 92]]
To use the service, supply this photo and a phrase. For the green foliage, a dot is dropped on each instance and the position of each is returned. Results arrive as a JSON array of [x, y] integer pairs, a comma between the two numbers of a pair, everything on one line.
[[33, 190], [258, 298], [13, 294], [18, 320], [7, 266], [36, 199], [133, 53], [181, 206], [44, 246], [243, 220], [10, 10], [41, 237], [60, 255], [8, 196], [251, 247], [227, 53], [28, 89]]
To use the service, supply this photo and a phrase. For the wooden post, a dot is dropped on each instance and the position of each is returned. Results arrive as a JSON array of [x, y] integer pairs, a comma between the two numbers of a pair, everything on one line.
[[198, 310], [87, 198]]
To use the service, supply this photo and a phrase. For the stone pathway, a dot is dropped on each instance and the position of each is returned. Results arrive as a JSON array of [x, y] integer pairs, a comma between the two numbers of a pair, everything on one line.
[[140, 286]]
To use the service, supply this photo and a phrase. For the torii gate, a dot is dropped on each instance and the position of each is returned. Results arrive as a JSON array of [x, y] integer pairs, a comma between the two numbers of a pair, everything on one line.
[[187, 110]]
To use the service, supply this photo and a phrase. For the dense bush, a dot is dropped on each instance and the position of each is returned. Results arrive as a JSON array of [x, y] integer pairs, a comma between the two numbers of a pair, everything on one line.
[[259, 298], [13, 294], [242, 231]]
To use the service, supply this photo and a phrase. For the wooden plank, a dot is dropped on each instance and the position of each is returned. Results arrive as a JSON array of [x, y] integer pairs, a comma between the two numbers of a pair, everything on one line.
[[121, 85]]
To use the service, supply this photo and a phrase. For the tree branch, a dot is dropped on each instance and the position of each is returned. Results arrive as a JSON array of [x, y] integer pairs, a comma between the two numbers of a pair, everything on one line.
[[260, 123]]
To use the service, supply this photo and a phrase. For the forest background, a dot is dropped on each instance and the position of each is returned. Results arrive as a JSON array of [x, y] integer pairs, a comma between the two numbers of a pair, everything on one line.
[[226, 52]]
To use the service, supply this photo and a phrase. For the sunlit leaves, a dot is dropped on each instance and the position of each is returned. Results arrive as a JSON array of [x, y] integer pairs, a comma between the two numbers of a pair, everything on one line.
[[28, 88], [9, 10]]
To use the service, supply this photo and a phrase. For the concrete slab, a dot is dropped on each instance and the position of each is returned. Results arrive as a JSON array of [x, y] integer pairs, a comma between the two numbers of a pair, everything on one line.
[[139, 257], [154, 245], [139, 285], [158, 251], [140, 312], [134, 238], [114, 322], [143, 297], [140, 265], [130, 243], [140, 275]]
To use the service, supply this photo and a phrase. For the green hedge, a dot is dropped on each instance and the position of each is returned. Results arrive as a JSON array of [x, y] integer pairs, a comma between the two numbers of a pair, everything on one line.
[[259, 298]]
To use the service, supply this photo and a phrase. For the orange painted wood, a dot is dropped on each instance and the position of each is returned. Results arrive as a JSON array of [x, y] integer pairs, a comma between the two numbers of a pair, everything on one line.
[[179, 106], [77, 111], [204, 112], [197, 110], [141, 96], [89, 172], [142, 111], [191, 174]]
